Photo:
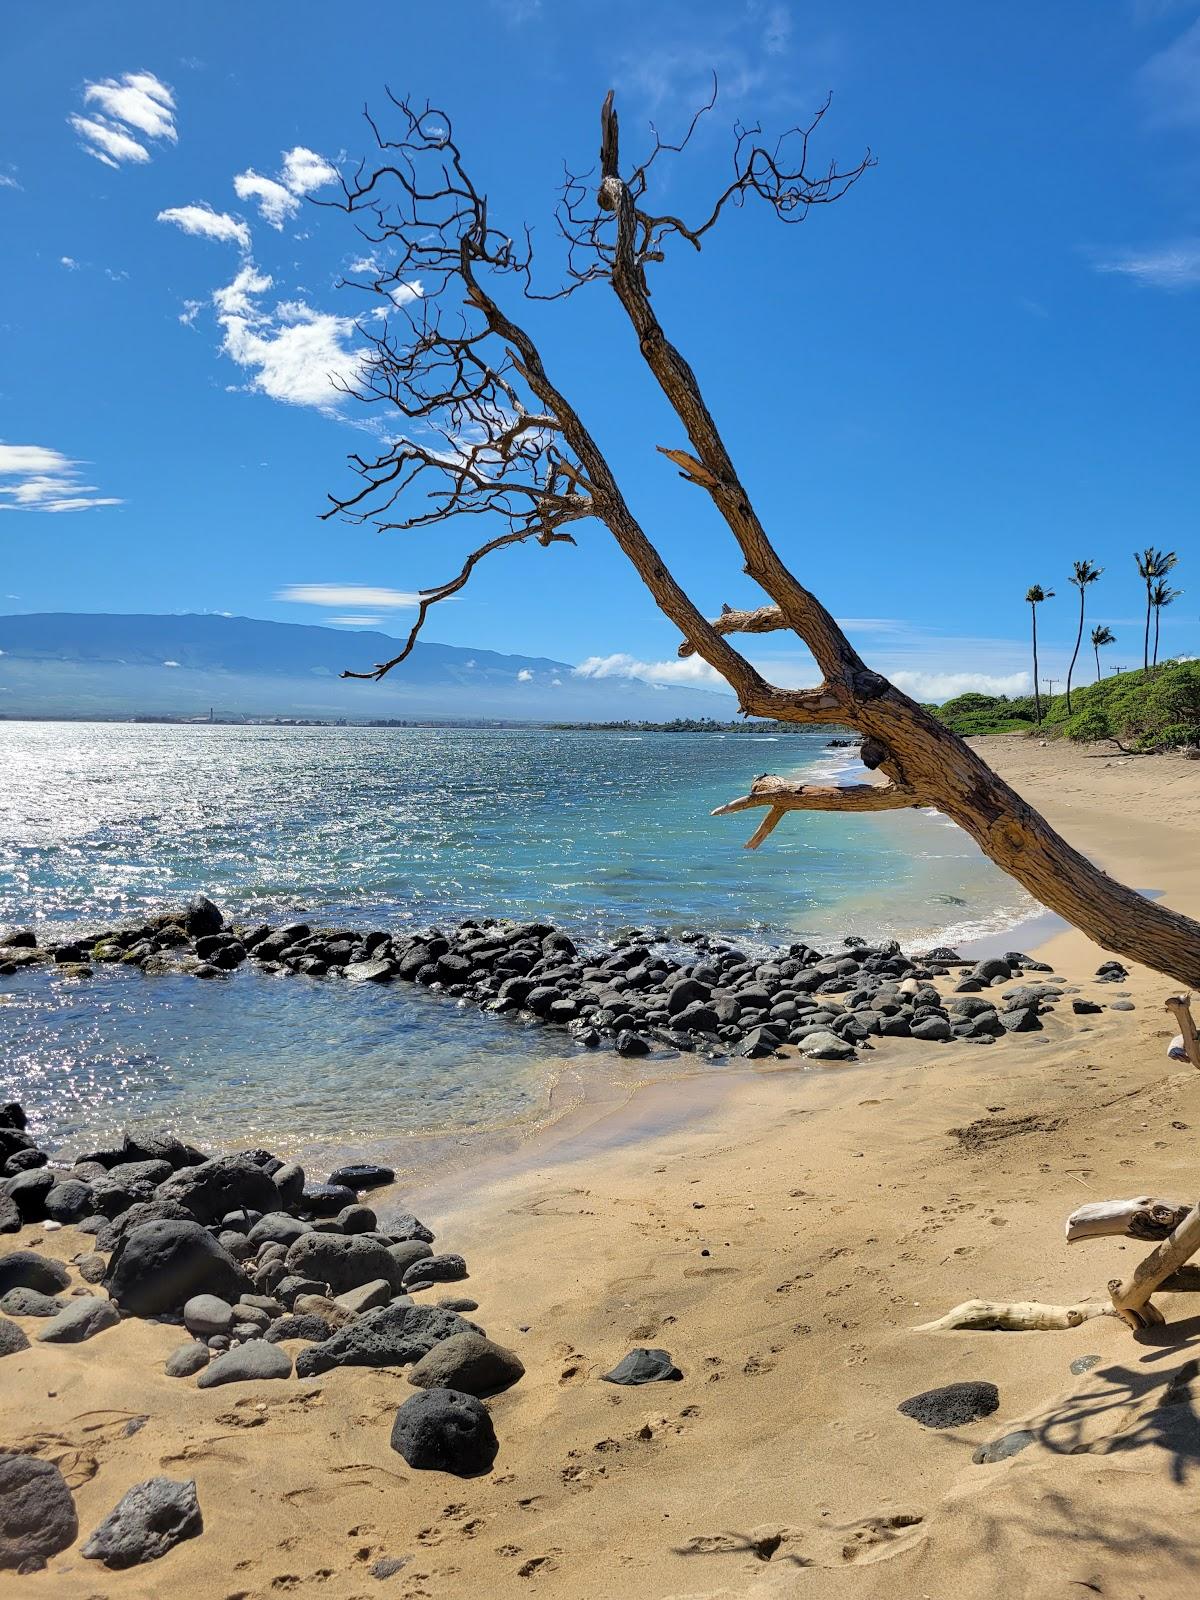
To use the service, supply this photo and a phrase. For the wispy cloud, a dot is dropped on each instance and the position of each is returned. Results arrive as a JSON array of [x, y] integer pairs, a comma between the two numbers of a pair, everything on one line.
[[33, 478], [354, 622], [7, 181], [347, 594], [1170, 82], [205, 223], [1175, 266], [277, 199], [126, 110]]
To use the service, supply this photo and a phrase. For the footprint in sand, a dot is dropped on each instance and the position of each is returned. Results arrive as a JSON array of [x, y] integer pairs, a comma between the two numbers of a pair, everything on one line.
[[761, 1543], [879, 1538]]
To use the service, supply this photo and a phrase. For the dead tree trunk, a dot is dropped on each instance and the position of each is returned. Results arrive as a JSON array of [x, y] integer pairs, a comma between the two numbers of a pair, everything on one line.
[[508, 443]]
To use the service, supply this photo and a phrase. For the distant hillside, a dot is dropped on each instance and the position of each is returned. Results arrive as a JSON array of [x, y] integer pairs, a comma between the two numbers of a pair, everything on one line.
[[62, 664], [1155, 710]]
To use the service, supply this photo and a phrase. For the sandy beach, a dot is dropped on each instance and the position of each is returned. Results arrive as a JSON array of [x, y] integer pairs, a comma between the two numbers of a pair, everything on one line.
[[780, 1229]]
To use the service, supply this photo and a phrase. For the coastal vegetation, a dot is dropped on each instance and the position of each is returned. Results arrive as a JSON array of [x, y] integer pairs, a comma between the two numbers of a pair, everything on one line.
[[1151, 709]]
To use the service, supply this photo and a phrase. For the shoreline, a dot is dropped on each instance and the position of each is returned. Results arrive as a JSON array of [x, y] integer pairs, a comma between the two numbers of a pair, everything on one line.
[[780, 1232]]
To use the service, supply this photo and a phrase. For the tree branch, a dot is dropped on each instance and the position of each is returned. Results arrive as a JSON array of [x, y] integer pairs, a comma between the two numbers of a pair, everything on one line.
[[766, 619], [782, 795]]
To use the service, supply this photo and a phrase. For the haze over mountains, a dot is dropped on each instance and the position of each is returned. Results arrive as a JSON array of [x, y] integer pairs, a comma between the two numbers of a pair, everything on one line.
[[60, 664]]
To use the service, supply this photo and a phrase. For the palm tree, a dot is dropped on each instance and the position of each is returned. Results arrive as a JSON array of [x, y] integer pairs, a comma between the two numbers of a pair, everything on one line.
[[1152, 564], [1083, 575], [1034, 597], [1101, 636], [1160, 595]]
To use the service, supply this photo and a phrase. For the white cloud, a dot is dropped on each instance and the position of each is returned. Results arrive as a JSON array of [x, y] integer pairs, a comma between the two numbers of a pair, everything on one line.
[[294, 354], [135, 101], [191, 310], [70, 263], [170, 663], [1171, 267], [945, 685], [7, 181], [684, 669], [524, 676], [33, 478], [107, 142], [354, 622], [347, 594], [304, 170], [275, 203], [205, 223]]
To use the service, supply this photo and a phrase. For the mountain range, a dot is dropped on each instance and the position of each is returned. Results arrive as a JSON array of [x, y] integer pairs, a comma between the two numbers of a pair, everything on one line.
[[62, 664]]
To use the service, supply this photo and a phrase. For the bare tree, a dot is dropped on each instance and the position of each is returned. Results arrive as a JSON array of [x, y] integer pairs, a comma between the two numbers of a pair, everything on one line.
[[490, 433]]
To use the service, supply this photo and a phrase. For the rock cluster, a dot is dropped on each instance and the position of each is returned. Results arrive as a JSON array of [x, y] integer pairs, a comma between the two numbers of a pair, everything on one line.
[[246, 1256], [637, 994]]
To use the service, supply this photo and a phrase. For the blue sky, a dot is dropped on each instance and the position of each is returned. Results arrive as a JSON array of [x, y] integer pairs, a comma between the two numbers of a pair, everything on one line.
[[975, 369]]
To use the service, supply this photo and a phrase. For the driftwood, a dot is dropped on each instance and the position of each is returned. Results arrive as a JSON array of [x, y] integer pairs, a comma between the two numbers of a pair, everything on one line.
[[1177, 1005], [1140, 1218], [1017, 1315], [1131, 1296]]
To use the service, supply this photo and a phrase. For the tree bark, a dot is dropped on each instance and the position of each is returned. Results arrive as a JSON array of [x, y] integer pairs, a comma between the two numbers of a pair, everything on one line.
[[1075, 653]]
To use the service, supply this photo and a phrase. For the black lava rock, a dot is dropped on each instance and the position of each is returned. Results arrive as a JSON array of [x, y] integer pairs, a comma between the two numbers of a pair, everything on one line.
[[436, 1269], [151, 1519], [952, 1406], [160, 1265], [326, 1199], [227, 1183], [247, 1363], [25, 1269], [392, 1336], [440, 1430], [12, 1338], [202, 917], [80, 1319], [362, 1175], [343, 1261], [313, 1329], [643, 1366], [37, 1513]]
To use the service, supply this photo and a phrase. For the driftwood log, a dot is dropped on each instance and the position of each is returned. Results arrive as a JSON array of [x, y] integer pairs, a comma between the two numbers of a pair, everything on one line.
[[1141, 1218], [491, 434]]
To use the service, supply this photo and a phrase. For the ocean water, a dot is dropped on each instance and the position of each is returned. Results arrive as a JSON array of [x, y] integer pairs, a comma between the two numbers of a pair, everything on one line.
[[404, 827]]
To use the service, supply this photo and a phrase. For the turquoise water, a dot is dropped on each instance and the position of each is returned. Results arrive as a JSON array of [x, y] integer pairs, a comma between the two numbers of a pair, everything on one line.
[[397, 827]]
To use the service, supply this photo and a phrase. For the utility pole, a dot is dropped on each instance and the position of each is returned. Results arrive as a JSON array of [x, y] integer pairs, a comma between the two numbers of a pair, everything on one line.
[[1050, 682]]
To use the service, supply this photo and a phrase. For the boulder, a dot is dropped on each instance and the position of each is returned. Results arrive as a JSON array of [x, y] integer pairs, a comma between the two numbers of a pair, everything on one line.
[[159, 1266], [366, 1297], [201, 917], [206, 1314], [152, 1518], [357, 1219], [392, 1336], [25, 1269], [186, 1360], [80, 1319], [12, 1338], [436, 1269], [29, 1303], [160, 1144], [326, 1199], [468, 1362], [289, 1181], [825, 1046], [278, 1228], [408, 1251], [403, 1225], [249, 1363], [28, 1191], [444, 1431], [212, 1188], [37, 1513], [644, 1366], [68, 1201], [362, 1175], [306, 1326], [954, 1405], [11, 1220], [109, 1236], [343, 1261]]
